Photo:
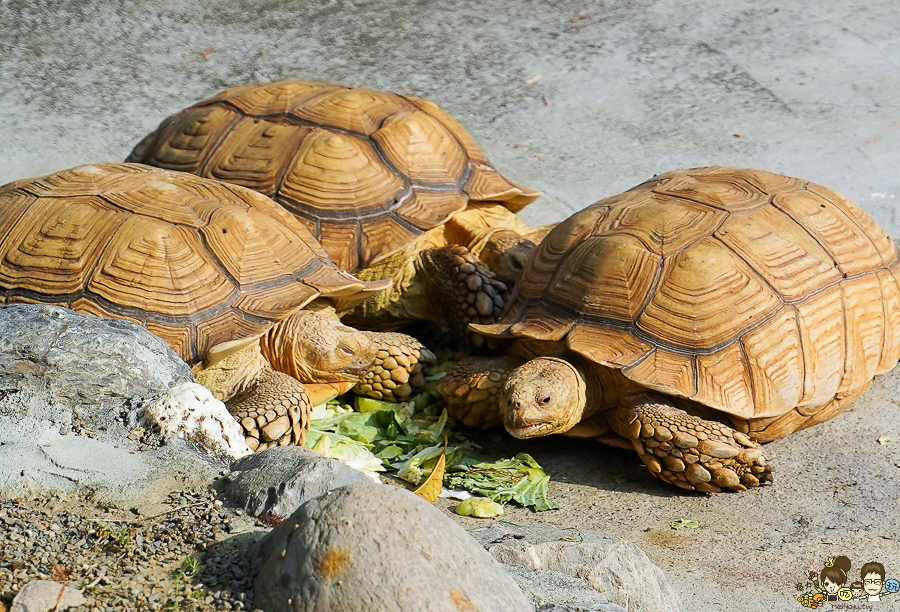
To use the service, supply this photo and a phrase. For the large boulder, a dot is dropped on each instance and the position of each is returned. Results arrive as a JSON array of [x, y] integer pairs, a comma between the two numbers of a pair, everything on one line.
[[71, 387], [579, 567], [278, 480], [80, 370], [371, 547]]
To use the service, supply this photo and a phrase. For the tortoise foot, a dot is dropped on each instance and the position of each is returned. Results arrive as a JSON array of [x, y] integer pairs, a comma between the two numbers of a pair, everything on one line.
[[273, 411], [693, 453], [473, 389], [463, 289], [398, 373]]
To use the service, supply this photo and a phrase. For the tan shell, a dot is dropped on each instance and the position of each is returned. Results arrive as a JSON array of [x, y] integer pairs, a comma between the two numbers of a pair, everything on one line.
[[366, 171], [769, 298], [197, 262]]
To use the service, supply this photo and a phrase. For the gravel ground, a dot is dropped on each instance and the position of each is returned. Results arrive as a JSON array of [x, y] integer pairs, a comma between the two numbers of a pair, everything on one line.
[[125, 562]]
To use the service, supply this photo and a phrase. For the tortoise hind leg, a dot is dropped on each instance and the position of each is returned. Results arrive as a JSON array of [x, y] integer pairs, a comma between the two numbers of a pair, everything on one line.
[[688, 451], [462, 289]]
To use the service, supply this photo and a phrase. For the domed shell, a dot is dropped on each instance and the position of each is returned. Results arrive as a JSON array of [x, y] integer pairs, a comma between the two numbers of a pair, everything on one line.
[[766, 297], [366, 171], [197, 262]]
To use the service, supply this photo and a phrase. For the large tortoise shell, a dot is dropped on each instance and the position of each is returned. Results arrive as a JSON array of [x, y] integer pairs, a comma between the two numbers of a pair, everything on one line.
[[366, 171], [197, 262], [766, 297]]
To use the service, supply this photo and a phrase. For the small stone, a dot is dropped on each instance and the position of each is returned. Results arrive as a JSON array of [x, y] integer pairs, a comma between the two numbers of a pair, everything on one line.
[[42, 595]]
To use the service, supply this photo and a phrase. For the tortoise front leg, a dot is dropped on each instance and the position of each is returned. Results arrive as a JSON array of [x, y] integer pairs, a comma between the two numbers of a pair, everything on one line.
[[473, 389], [398, 373], [461, 289], [274, 410], [272, 407], [688, 451]]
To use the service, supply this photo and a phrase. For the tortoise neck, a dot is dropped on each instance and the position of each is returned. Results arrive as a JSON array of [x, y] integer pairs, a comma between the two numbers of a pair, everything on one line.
[[601, 387]]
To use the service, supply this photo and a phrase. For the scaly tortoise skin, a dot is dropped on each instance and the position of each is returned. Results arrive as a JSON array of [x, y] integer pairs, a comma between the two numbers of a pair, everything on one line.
[[221, 273], [690, 318], [382, 180]]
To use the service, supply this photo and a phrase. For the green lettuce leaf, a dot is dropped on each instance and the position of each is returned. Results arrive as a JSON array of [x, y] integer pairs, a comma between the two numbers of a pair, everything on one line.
[[520, 479]]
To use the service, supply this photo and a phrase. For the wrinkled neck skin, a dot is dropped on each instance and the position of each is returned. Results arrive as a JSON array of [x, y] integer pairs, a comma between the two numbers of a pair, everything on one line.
[[602, 388], [234, 374]]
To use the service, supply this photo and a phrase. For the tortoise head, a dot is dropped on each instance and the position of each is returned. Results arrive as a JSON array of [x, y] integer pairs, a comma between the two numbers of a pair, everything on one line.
[[506, 253], [544, 396], [315, 347]]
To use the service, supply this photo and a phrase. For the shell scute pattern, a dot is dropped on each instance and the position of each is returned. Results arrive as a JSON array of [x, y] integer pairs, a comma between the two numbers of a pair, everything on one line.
[[367, 171], [205, 264]]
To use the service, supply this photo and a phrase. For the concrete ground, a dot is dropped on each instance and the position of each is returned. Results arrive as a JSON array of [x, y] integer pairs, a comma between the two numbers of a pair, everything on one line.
[[581, 100]]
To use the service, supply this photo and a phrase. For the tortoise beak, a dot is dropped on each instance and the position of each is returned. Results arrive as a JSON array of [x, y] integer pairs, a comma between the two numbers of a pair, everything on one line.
[[522, 419]]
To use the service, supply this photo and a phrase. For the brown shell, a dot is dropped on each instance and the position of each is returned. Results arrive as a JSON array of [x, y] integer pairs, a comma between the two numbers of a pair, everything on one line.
[[366, 171], [749, 292], [197, 262]]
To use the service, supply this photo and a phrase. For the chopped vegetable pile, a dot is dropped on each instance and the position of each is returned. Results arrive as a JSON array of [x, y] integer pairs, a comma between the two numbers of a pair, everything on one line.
[[407, 439]]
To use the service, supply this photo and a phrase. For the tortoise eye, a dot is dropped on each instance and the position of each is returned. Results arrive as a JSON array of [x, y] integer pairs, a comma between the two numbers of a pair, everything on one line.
[[545, 401]]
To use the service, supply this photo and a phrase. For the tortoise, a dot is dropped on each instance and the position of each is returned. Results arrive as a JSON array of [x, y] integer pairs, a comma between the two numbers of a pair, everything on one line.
[[691, 318], [391, 185], [230, 280]]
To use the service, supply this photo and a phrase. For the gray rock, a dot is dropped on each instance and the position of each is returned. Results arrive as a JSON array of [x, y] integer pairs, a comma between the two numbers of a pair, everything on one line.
[[71, 386], [378, 547], [44, 595], [617, 571], [58, 365], [279, 480], [569, 607]]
